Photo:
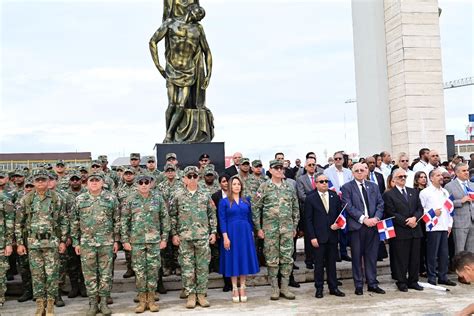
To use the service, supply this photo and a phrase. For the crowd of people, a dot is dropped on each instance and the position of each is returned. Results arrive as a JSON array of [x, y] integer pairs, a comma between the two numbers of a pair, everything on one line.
[[60, 221]]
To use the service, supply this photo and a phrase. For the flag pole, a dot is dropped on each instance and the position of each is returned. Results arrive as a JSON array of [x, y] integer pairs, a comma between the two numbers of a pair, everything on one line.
[[340, 213]]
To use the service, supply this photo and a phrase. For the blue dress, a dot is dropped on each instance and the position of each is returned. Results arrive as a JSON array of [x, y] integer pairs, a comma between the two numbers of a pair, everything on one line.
[[236, 221]]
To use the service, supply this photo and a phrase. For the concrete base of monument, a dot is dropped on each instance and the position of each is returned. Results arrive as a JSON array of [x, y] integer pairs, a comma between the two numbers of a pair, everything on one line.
[[188, 154]]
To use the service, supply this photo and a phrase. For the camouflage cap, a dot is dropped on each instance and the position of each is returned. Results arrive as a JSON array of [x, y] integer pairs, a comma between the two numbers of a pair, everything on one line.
[[53, 175], [48, 166], [41, 174], [74, 174], [3, 173], [129, 170], [209, 170], [135, 156], [29, 180], [169, 166], [275, 162], [171, 155], [190, 170], [150, 158], [257, 163], [244, 160], [95, 175], [96, 163], [83, 168], [120, 168], [18, 173], [60, 162], [142, 177], [103, 158]]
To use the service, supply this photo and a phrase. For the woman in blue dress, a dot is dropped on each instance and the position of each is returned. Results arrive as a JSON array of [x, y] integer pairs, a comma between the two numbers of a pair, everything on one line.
[[238, 256]]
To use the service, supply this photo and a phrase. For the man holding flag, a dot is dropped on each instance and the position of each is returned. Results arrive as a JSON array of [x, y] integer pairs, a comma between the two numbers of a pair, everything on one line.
[[462, 191], [321, 210], [403, 204], [434, 197]]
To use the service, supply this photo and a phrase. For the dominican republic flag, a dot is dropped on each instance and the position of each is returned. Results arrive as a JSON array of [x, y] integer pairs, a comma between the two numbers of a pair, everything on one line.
[[333, 188], [430, 219], [470, 192], [386, 229], [449, 205], [341, 221]]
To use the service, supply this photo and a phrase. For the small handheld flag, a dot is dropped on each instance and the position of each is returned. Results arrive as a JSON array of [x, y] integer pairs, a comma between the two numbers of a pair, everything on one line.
[[386, 229], [341, 221], [333, 188], [470, 192], [430, 219], [449, 205]]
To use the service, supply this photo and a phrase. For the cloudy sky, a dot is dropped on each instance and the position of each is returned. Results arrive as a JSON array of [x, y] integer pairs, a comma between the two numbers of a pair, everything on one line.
[[78, 76]]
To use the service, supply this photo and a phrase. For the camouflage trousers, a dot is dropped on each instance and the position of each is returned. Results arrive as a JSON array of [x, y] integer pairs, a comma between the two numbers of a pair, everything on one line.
[[97, 269], [24, 265], [44, 267], [146, 264], [278, 251], [3, 276], [169, 255], [194, 258]]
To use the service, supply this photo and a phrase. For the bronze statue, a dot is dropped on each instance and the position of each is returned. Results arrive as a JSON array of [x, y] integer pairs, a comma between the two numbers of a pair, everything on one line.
[[187, 72]]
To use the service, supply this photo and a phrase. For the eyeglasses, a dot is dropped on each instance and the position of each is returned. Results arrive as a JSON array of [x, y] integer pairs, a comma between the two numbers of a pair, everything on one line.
[[151, 161], [29, 186], [311, 165], [323, 181], [192, 176], [94, 180], [145, 182], [403, 160], [359, 170], [134, 159], [170, 170], [278, 168], [402, 177], [95, 166], [338, 158], [205, 160]]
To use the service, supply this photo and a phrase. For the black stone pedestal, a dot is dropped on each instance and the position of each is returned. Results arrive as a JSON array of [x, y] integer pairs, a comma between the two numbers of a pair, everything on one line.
[[188, 154]]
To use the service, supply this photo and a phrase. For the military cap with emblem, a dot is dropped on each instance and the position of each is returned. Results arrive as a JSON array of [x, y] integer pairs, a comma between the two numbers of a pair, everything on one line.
[[244, 160], [135, 156], [96, 175], [190, 170], [150, 158], [53, 175], [257, 163], [169, 166], [170, 155], [129, 170], [41, 174], [60, 162], [143, 176], [96, 163], [275, 162]]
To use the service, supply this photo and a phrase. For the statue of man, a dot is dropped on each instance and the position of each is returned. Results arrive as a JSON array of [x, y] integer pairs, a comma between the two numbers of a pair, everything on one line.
[[184, 63]]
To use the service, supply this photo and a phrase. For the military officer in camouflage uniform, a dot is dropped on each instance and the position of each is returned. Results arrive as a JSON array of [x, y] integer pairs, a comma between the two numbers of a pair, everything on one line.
[[23, 263], [204, 160], [108, 172], [275, 218], [63, 178], [74, 261], [135, 163], [255, 179], [167, 189], [40, 220], [209, 183], [152, 170], [144, 231], [244, 175], [7, 220], [96, 167], [95, 235], [193, 226], [173, 159]]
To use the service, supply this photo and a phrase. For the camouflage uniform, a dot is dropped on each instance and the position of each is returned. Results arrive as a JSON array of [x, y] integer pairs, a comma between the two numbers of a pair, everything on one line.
[[193, 219], [96, 226], [138, 170], [7, 220], [276, 212], [144, 223], [41, 221], [123, 193], [168, 190]]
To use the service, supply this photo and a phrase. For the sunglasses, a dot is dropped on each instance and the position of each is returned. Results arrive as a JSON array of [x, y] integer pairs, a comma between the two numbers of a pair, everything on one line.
[[338, 158], [402, 177], [145, 182], [403, 160], [192, 176], [29, 186], [95, 166], [205, 160], [170, 170], [323, 181], [151, 161], [434, 155], [359, 170], [278, 168], [311, 164], [94, 180]]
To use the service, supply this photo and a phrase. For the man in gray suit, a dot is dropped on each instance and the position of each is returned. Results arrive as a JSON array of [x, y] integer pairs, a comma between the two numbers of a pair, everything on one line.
[[338, 175], [463, 220], [304, 185]]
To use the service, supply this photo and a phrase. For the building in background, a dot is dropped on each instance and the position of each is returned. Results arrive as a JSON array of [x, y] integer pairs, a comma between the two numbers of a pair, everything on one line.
[[13, 161]]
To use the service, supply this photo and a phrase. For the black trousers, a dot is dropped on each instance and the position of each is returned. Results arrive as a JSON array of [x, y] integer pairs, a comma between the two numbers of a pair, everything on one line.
[[325, 256], [405, 260], [437, 255]]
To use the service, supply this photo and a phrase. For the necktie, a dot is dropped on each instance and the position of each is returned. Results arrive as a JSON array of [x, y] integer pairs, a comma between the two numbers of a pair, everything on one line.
[[313, 184], [372, 177], [325, 202], [405, 194], [366, 198], [466, 188]]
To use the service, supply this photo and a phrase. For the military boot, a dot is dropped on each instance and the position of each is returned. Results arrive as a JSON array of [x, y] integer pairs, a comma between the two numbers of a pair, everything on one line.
[[58, 300], [275, 289], [141, 307], [191, 303], [26, 296], [285, 292], [39, 307], [152, 305], [93, 308], [201, 300], [50, 307], [104, 308], [130, 273]]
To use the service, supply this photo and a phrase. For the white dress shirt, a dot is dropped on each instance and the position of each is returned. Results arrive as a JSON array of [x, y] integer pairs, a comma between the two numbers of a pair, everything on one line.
[[366, 211], [434, 198], [410, 178], [340, 177], [386, 170], [419, 166]]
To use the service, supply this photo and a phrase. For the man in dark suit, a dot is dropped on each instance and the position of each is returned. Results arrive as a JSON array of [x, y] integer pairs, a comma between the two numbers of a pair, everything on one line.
[[234, 169], [365, 209], [404, 205], [321, 209]]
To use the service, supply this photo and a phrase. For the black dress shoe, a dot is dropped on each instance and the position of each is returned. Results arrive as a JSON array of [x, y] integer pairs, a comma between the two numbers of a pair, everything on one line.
[[319, 293], [309, 266], [339, 283], [293, 283], [415, 286], [432, 282], [402, 288], [447, 282], [359, 291], [337, 292], [376, 290], [295, 267], [346, 258]]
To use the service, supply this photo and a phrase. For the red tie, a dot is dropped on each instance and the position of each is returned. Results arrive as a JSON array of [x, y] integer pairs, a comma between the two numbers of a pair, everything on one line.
[[313, 184]]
